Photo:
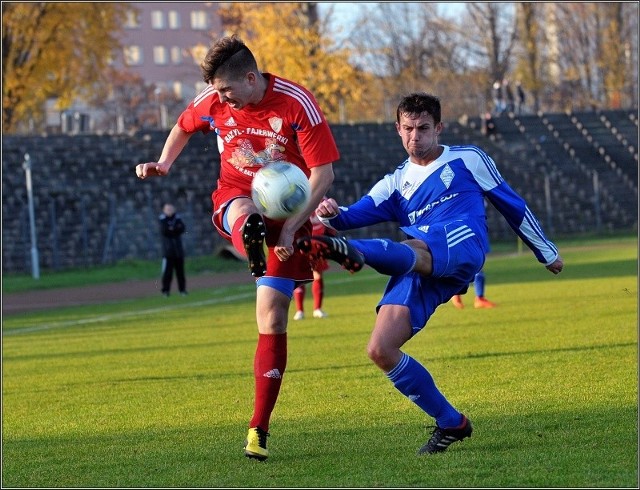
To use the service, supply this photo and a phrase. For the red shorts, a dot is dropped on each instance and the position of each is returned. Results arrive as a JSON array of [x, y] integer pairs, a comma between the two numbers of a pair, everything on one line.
[[318, 264], [298, 267]]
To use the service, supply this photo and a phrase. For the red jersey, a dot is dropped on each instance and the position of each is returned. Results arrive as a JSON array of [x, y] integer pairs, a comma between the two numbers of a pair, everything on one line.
[[286, 125]]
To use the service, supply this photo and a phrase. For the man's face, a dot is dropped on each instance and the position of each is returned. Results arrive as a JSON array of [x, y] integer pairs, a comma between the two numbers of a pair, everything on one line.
[[238, 92], [419, 135]]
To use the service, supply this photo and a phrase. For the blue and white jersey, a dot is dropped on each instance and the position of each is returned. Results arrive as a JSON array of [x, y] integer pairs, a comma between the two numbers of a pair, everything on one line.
[[450, 188]]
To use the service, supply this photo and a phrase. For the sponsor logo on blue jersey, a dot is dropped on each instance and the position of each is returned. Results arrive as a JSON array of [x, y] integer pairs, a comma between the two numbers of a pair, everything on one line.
[[414, 216]]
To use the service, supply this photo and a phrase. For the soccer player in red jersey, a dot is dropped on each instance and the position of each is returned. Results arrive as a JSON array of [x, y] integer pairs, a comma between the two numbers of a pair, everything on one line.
[[318, 264], [257, 118]]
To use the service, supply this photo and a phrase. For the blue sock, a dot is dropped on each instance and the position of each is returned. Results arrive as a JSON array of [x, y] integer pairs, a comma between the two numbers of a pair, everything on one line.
[[413, 380], [478, 284], [386, 256]]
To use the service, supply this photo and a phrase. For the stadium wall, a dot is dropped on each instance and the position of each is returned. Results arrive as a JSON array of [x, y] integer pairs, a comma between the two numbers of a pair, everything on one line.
[[90, 209]]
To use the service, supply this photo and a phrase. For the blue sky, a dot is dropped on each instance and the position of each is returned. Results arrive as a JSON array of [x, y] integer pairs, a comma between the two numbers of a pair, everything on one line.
[[348, 9], [345, 13]]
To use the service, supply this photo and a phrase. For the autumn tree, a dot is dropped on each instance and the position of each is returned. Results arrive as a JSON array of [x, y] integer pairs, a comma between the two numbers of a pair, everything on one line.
[[592, 45], [612, 52], [528, 64], [292, 40], [127, 101], [53, 50], [412, 47], [565, 54]]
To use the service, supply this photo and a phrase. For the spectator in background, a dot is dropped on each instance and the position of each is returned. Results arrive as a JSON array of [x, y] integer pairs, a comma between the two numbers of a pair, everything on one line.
[[318, 265], [498, 99], [508, 95], [479, 301], [488, 125], [171, 230], [520, 101]]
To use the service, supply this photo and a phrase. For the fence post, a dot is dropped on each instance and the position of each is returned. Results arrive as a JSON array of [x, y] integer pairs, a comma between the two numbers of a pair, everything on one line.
[[35, 261], [85, 233], [547, 199], [112, 228], [596, 201], [152, 219]]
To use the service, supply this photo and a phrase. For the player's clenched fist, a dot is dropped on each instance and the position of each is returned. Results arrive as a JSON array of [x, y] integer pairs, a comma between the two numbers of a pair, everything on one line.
[[328, 208], [144, 170]]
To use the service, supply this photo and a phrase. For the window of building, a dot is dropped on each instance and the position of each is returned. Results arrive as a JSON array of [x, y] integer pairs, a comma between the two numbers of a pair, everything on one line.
[[176, 55], [160, 55], [131, 21], [177, 90], [157, 19], [199, 20], [133, 55], [174, 19]]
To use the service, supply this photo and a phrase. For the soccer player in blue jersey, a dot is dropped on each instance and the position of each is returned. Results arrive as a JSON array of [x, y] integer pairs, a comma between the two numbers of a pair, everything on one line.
[[436, 197]]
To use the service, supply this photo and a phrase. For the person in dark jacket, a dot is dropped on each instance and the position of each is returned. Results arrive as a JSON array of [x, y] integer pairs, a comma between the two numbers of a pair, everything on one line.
[[171, 230]]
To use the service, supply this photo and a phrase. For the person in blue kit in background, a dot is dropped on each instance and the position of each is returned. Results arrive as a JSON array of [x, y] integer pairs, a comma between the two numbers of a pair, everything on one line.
[[479, 287], [479, 301], [437, 198]]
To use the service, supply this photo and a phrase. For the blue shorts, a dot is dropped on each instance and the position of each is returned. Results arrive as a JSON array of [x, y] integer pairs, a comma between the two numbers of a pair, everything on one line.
[[285, 286], [458, 255]]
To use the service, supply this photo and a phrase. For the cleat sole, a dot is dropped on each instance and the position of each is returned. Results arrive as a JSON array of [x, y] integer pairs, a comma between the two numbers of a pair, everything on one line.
[[335, 249], [253, 235]]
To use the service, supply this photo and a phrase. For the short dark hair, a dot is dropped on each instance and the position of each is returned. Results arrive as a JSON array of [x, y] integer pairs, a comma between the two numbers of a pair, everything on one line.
[[418, 102], [229, 58]]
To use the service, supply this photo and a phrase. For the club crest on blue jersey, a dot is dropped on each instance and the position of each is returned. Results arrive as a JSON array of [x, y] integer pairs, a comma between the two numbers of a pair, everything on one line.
[[447, 175]]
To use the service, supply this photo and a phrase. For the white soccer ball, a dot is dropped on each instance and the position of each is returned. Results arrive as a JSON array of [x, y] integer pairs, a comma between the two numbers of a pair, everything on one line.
[[280, 190]]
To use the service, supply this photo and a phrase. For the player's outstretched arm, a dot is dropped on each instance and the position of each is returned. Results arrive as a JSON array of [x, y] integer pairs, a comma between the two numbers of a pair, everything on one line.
[[173, 146]]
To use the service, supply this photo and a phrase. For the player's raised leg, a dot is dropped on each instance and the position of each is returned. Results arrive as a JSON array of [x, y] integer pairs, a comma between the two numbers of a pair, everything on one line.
[[248, 235], [382, 254]]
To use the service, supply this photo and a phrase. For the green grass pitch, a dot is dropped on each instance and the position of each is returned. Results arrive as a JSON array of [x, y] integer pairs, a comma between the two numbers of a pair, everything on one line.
[[158, 393]]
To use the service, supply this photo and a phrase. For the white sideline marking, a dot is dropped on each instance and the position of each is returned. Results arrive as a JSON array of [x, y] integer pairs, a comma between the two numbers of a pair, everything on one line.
[[138, 313]]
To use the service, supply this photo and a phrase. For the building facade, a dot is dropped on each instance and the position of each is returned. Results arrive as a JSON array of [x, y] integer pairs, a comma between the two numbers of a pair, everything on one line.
[[163, 43]]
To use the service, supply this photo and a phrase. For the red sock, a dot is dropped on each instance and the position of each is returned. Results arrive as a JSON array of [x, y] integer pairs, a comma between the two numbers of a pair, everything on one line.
[[298, 295], [268, 366], [236, 235], [318, 293]]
